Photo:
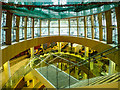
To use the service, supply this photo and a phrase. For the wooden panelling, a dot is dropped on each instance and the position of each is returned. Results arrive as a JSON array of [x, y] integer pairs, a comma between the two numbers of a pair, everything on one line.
[[12, 50]]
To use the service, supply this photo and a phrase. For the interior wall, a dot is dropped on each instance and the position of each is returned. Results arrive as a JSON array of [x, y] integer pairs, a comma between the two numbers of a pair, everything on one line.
[[14, 49]]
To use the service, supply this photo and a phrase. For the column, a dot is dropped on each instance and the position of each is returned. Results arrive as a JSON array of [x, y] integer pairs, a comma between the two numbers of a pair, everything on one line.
[[32, 52], [32, 28], [25, 28], [92, 26], [117, 10], [76, 72], [86, 51], [84, 75], [100, 26], [40, 26], [48, 27], [69, 26], [59, 26], [59, 46], [7, 72], [77, 27], [9, 26], [108, 25], [17, 28], [85, 26], [111, 67]]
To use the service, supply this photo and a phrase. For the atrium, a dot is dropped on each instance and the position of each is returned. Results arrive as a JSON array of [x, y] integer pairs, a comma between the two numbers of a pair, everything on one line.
[[59, 44]]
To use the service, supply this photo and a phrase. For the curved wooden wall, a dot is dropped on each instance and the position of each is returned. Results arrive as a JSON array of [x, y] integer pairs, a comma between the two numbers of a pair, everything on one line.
[[14, 49]]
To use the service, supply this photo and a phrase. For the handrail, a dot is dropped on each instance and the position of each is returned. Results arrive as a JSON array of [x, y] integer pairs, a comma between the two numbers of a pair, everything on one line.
[[11, 82], [95, 56]]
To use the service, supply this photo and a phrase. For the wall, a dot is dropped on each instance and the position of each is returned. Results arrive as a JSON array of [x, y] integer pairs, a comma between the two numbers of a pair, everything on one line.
[[14, 49]]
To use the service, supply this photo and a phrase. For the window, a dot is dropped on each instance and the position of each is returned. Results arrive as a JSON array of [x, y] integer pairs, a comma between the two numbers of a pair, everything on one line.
[[96, 29], [3, 24], [29, 25], [114, 29], [81, 26], [64, 27], [54, 28], [21, 29], [44, 32], [89, 34], [104, 26], [13, 31], [73, 27], [36, 28]]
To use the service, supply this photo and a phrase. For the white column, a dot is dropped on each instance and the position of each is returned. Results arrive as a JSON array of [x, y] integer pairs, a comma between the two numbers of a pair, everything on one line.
[[7, 73], [111, 67], [59, 46], [76, 72], [32, 52], [86, 51]]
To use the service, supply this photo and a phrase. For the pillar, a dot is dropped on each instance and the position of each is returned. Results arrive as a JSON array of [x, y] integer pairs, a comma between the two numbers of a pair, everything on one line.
[[77, 27], [111, 67], [84, 75], [100, 26], [59, 46], [76, 72], [69, 26], [59, 26], [32, 28], [32, 52], [9, 26], [40, 26], [48, 27], [17, 28], [7, 72], [28, 83], [108, 25], [86, 51], [85, 26], [92, 26], [25, 28]]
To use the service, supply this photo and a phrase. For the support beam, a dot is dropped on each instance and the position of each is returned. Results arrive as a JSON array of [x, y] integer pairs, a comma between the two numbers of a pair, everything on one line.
[[48, 27], [9, 25], [111, 67], [117, 10], [77, 27], [92, 26], [32, 28], [7, 72], [85, 26], [17, 30], [59, 26], [69, 26], [108, 24], [100, 26], [59, 46], [25, 29], [40, 26]]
